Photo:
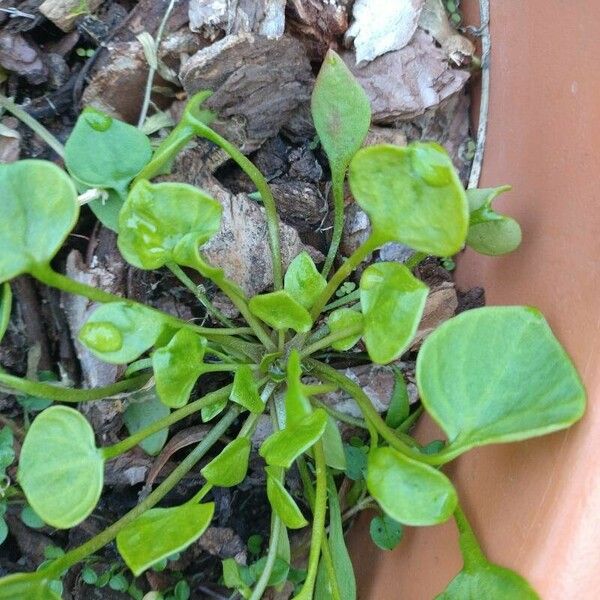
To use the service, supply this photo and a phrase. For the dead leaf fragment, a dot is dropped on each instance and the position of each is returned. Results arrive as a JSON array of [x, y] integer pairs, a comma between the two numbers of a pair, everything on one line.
[[380, 26]]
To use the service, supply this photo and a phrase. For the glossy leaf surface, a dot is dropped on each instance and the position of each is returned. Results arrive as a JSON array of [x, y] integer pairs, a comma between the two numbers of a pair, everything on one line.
[[229, 468], [409, 491], [282, 502], [141, 414], [392, 301], [38, 210], [341, 112], [119, 332], [166, 222], [342, 319], [160, 532], [303, 281], [177, 366], [60, 469], [490, 232], [497, 374], [281, 311], [412, 195], [245, 390], [26, 586], [283, 447]]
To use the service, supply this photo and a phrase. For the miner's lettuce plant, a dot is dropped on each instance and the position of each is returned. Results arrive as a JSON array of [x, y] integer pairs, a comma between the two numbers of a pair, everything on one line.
[[490, 375]]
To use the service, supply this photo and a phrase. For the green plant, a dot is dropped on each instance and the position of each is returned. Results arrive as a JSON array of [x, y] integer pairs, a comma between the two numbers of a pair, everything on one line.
[[490, 375]]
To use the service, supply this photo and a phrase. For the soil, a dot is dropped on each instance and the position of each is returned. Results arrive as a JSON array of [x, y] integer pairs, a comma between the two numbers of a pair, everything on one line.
[[52, 73]]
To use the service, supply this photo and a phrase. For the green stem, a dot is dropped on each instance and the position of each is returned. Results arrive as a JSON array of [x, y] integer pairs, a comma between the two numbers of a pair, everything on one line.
[[62, 394], [138, 365], [470, 549], [263, 582], [341, 274], [340, 416], [318, 525], [330, 339], [406, 425], [93, 545], [109, 452], [415, 260], [337, 184], [201, 493], [34, 125], [5, 309], [347, 299]]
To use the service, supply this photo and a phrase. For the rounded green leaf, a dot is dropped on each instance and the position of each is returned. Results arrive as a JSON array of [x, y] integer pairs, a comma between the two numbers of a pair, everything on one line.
[[385, 532], [60, 469], [160, 532], [27, 586], [119, 332], [282, 502], [38, 210], [177, 366], [229, 468], [409, 491], [342, 319], [341, 111], [163, 222], [283, 447], [281, 311], [141, 414], [105, 152], [303, 281], [497, 374], [392, 301], [412, 195], [490, 582], [245, 390]]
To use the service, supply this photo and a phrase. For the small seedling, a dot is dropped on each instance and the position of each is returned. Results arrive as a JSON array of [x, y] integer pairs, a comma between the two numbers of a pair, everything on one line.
[[490, 375]]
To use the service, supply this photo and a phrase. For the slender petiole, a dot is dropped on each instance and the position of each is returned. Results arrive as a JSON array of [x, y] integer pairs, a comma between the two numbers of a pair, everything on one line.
[[337, 188], [325, 342]]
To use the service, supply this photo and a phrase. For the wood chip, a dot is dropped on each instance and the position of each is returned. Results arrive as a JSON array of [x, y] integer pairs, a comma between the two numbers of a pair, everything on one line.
[[64, 13]]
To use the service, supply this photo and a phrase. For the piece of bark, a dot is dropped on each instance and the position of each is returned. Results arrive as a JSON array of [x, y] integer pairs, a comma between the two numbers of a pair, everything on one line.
[[440, 306], [469, 299], [64, 13], [21, 56], [299, 204], [128, 469], [222, 542], [257, 84], [318, 23], [380, 26], [147, 15], [405, 83], [263, 17]]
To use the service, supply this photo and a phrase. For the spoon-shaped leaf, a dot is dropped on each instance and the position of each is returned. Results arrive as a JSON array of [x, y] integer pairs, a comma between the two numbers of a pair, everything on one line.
[[177, 366], [26, 586], [245, 390], [412, 195], [297, 402], [38, 210], [229, 468], [281, 311], [392, 301], [119, 332], [166, 222], [341, 112], [341, 320], [60, 469], [409, 491], [302, 280], [497, 374], [282, 502], [160, 532], [283, 447]]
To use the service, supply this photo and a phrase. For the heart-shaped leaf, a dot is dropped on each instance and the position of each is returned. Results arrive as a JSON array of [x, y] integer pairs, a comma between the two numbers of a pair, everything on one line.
[[160, 532], [341, 112], [283, 447], [303, 281], [497, 374], [60, 469], [119, 332], [105, 152], [392, 301], [177, 366], [142, 413], [38, 210], [229, 468], [412, 195], [281, 311], [341, 320], [166, 222], [490, 232], [26, 586], [409, 491], [245, 390], [282, 502], [490, 582]]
